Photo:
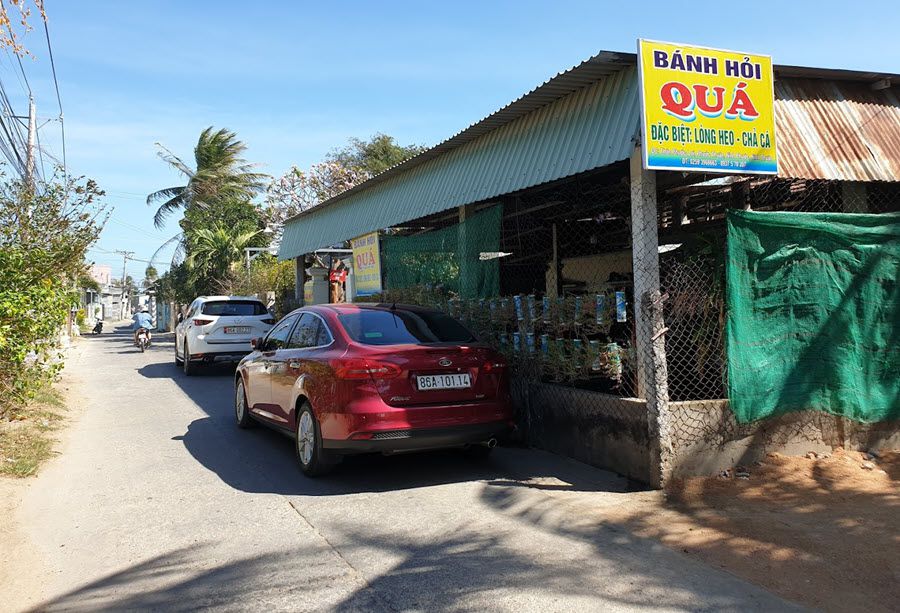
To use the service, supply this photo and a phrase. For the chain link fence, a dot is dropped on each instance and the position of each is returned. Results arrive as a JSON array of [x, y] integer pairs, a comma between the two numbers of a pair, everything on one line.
[[693, 279], [563, 306]]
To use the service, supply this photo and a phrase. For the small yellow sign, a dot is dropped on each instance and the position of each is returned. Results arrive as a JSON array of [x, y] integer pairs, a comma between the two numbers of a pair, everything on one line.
[[366, 264], [706, 110]]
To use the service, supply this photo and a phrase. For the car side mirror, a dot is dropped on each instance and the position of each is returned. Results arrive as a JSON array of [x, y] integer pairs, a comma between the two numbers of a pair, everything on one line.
[[256, 343], [180, 317]]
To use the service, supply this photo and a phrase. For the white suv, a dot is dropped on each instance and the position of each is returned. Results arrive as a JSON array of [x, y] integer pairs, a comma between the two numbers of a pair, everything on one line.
[[219, 329]]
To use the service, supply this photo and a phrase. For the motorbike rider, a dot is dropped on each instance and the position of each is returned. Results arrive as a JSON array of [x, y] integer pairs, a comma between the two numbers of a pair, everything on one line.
[[142, 321]]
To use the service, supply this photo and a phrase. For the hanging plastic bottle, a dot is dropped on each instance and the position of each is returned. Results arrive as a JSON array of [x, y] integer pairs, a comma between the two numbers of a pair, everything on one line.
[[545, 309], [595, 355], [621, 307], [599, 307], [613, 353], [517, 300]]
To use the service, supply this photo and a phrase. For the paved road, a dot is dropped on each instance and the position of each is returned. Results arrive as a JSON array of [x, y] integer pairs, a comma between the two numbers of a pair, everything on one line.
[[159, 501]]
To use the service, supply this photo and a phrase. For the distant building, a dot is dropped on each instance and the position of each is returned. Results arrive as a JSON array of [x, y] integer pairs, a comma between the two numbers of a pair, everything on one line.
[[101, 273]]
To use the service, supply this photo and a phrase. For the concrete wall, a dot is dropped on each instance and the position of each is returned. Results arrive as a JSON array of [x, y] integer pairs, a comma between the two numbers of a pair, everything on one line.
[[598, 429], [709, 440]]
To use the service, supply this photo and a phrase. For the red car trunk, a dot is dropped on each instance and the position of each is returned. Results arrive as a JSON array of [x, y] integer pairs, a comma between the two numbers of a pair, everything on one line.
[[421, 375]]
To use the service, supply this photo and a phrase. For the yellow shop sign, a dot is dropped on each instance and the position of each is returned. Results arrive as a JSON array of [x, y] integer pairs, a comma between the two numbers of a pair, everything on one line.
[[706, 110]]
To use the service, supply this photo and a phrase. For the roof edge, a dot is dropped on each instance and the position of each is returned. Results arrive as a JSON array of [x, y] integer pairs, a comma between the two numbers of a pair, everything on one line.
[[519, 107], [563, 84]]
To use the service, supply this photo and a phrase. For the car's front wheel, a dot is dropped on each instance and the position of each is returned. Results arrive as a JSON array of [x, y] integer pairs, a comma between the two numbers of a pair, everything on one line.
[[178, 362], [241, 410], [313, 459]]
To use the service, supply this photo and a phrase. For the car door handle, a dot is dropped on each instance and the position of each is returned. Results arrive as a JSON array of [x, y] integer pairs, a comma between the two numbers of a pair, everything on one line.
[[294, 365]]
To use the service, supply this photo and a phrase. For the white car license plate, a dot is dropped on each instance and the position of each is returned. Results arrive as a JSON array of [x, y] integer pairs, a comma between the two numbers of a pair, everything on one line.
[[237, 330], [443, 382]]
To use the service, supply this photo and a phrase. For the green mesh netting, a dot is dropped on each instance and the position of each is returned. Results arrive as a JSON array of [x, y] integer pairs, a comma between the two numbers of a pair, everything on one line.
[[813, 314], [460, 258]]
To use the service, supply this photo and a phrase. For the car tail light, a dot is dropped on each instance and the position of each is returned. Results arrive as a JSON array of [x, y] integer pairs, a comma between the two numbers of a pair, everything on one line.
[[492, 366], [202, 322], [363, 368], [268, 321]]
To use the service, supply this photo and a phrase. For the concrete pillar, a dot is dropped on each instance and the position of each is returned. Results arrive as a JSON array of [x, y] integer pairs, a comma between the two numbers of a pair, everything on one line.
[[854, 197], [299, 278], [649, 325], [466, 284]]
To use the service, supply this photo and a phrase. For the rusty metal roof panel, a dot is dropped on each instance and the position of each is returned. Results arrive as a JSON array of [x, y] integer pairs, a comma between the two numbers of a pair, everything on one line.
[[831, 125], [834, 130]]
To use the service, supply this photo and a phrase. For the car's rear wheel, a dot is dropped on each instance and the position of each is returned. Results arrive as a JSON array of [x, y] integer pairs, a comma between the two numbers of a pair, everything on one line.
[[313, 459], [189, 369], [241, 410]]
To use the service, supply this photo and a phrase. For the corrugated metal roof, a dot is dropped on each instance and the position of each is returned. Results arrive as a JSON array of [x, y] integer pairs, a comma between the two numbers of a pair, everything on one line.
[[568, 125], [837, 130], [585, 118]]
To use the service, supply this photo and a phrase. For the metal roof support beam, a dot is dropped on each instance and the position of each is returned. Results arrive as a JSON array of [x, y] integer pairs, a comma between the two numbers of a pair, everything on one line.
[[649, 325]]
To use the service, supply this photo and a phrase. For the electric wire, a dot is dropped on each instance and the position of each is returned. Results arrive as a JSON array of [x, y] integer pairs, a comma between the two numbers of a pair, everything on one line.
[[62, 124]]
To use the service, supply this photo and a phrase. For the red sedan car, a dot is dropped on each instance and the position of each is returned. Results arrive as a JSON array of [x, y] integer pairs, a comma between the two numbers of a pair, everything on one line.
[[353, 378]]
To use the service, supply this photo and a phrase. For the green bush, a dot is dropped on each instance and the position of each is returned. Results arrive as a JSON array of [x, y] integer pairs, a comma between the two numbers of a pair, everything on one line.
[[31, 314], [44, 235]]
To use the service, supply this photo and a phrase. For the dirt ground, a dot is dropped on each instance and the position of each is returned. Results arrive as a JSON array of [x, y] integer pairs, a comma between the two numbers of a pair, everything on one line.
[[822, 531]]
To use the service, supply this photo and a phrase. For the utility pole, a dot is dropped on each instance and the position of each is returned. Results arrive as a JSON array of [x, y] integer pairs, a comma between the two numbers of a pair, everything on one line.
[[126, 255], [32, 137]]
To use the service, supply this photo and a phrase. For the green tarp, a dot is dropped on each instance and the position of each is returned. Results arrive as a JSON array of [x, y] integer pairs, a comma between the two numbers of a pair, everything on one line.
[[462, 258], [813, 314]]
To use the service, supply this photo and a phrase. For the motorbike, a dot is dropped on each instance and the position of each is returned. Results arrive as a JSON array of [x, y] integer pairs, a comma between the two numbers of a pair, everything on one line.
[[98, 327], [143, 339]]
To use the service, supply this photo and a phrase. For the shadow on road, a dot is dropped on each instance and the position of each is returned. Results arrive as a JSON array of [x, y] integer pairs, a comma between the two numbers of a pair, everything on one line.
[[189, 579], [515, 547], [466, 569], [261, 460]]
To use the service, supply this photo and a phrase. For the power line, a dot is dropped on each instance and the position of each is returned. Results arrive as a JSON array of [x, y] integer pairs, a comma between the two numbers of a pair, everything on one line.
[[13, 67], [24, 76], [62, 125]]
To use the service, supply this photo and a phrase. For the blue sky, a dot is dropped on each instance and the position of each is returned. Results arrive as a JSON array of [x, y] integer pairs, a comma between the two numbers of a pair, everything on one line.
[[296, 79]]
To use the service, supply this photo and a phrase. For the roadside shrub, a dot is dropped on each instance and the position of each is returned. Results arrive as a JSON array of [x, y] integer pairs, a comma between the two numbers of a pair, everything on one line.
[[45, 232]]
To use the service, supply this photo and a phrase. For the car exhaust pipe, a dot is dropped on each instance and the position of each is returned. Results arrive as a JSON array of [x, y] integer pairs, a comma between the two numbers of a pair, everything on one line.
[[490, 443]]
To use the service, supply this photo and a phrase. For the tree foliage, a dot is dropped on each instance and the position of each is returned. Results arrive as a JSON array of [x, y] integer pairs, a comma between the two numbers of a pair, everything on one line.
[[266, 275], [373, 156], [299, 190], [44, 236], [219, 175], [218, 215], [16, 15]]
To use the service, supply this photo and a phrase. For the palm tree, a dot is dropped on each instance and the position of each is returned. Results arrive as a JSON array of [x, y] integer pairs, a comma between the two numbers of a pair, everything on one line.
[[221, 174], [214, 251]]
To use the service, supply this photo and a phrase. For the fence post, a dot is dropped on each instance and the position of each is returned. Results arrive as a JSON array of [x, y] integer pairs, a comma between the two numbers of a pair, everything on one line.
[[648, 313]]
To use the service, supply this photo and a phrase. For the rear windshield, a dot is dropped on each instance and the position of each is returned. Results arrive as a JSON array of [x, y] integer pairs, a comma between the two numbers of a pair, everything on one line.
[[385, 327], [233, 307]]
